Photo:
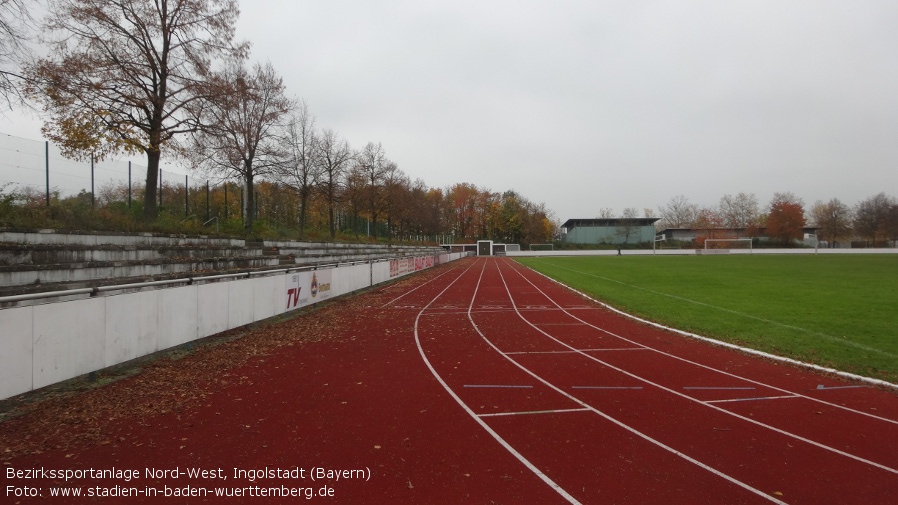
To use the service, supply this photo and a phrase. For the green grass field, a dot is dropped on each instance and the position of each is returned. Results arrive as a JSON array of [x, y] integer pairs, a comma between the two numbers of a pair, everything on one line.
[[839, 311]]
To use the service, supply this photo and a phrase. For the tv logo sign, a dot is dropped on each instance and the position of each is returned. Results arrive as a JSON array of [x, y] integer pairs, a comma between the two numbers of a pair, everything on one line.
[[297, 290]]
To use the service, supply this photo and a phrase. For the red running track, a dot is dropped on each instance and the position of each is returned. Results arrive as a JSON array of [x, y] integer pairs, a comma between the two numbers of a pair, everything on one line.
[[476, 382], [605, 410]]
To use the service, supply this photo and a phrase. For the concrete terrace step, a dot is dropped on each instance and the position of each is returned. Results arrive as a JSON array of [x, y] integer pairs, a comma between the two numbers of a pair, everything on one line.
[[37, 237], [49, 254], [44, 260], [48, 275]]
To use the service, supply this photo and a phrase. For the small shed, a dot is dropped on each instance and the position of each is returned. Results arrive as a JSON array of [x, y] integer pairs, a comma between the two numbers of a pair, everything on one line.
[[484, 248], [613, 231]]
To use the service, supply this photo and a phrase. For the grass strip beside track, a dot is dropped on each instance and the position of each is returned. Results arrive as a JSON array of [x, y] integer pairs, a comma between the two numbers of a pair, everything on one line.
[[838, 311]]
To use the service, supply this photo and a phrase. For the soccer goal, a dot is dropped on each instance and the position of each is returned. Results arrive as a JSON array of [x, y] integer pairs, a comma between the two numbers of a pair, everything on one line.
[[730, 243], [542, 247], [658, 239]]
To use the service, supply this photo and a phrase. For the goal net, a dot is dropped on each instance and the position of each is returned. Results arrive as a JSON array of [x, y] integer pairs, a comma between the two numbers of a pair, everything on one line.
[[541, 247], [724, 245]]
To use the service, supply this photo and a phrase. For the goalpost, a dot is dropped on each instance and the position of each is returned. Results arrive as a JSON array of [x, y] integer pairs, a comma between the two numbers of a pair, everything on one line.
[[658, 238], [727, 250], [542, 247]]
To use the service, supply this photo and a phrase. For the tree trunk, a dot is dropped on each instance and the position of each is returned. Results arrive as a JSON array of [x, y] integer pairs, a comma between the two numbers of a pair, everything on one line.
[[303, 200], [249, 211], [150, 207], [330, 217]]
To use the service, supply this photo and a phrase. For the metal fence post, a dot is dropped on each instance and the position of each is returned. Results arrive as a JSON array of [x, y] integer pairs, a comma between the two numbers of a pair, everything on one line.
[[93, 197], [47, 168]]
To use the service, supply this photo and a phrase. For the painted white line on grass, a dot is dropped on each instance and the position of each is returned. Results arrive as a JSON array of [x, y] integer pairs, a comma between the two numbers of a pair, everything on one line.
[[741, 314], [727, 345]]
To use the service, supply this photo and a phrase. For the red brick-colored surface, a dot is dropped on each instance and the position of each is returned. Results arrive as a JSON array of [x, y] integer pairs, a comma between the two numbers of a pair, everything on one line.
[[572, 404]]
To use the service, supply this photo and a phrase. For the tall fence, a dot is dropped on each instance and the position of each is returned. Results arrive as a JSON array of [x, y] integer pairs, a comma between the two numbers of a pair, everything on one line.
[[37, 171], [37, 168]]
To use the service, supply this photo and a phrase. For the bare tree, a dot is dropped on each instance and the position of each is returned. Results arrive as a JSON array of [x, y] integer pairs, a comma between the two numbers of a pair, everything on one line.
[[786, 197], [334, 158], [395, 188], [870, 217], [122, 75], [15, 22], [628, 224], [740, 211], [300, 168], [354, 194], [242, 118], [679, 212], [833, 219], [890, 223], [373, 163], [606, 213]]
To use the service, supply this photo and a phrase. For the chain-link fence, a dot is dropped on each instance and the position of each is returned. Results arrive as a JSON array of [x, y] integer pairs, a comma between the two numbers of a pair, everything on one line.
[[37, 168], [38, 174]]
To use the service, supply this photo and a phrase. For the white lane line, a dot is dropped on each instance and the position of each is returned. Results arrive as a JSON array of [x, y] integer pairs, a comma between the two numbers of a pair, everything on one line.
[[607, 417], [682, 395], [722, 344], [606, 387], [821, 387], [520, 457], [532, 412], [578, 351], [733, 400], [500, 386], [416, 288], [718, 388]]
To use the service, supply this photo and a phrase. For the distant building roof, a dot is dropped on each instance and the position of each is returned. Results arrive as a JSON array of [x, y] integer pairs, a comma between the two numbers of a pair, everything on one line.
[[762, 229], [611, 221]]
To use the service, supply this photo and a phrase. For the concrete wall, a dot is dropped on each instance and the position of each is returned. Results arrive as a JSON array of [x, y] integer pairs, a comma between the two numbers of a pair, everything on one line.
[[52, 342]]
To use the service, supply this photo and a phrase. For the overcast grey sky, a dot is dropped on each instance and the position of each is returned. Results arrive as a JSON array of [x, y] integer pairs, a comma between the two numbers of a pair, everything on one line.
[[584, 105]]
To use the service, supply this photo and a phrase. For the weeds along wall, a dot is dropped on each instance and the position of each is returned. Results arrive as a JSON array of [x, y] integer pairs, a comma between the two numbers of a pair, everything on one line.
[[48, 343]]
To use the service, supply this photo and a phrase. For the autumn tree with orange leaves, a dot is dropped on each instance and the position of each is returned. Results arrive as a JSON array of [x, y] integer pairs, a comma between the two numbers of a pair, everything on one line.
[[785, 221], [125, 75]]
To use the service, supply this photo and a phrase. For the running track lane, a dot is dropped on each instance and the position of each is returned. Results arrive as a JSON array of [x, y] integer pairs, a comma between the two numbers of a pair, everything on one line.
[[604, 409], [360, 397]]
